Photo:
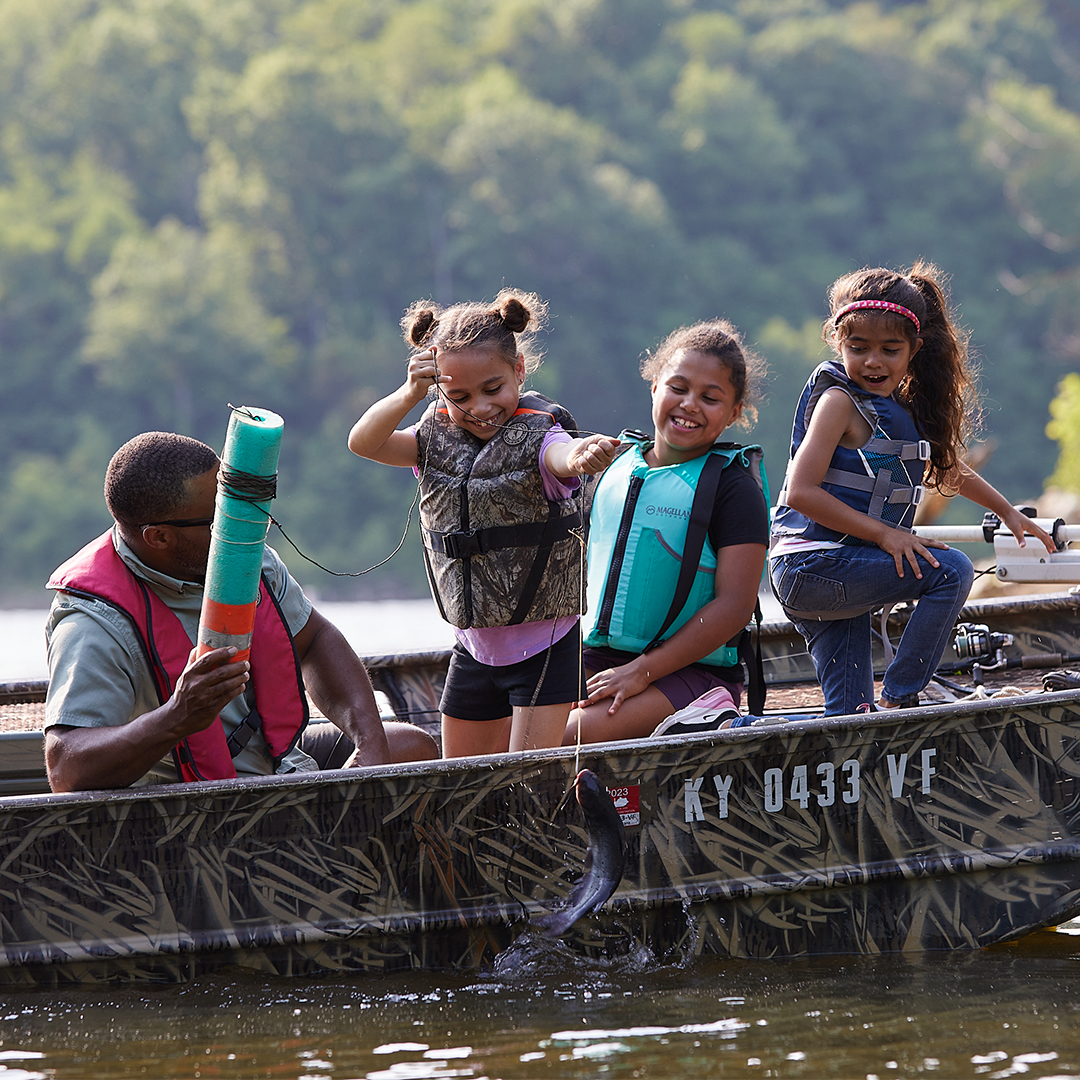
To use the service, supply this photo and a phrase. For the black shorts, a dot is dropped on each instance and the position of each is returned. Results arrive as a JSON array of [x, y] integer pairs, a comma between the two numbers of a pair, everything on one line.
[[476, 691], [327, 744]]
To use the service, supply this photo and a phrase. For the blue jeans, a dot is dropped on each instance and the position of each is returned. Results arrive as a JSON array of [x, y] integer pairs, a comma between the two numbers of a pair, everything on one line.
[[850, 578]]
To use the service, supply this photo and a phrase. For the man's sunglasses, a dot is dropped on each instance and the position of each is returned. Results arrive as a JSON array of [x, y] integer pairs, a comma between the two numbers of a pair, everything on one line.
[[182, 523]]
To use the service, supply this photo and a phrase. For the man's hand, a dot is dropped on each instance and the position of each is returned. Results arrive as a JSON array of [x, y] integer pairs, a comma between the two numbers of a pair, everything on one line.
[[90, 758], [338, 684], [205, 687]]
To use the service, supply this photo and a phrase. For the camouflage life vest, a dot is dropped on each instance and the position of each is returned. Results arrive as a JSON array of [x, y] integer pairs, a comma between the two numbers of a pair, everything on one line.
[[497, 551]]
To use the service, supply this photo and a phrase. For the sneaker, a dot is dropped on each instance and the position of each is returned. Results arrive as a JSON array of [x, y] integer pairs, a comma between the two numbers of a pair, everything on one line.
[[694, 720], [909, 702]]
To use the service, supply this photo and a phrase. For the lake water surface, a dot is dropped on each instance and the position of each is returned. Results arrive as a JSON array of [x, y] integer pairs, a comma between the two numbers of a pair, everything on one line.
[[384, 626], [1007, 1011], [372, 627]]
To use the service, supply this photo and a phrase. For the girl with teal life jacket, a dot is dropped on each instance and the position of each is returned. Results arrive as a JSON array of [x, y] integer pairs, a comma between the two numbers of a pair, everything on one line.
[[886, 415], [643, 660], [500, 516]]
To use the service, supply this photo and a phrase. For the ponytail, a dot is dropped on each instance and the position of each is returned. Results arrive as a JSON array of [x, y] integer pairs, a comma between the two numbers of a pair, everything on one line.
[[939, 389]]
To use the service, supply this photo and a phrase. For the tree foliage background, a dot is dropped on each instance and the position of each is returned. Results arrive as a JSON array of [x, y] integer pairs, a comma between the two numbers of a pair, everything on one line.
[[205, 201]]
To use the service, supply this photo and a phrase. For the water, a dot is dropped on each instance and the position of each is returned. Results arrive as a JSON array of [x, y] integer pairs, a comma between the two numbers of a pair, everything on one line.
[[372, 627], [1008, 1011]]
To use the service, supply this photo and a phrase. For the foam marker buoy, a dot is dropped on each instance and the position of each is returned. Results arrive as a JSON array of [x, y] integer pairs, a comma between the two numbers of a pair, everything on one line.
[[246, 484]]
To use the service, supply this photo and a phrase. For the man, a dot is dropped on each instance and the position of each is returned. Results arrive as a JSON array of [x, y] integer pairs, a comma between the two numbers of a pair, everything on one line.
[[117, 716]]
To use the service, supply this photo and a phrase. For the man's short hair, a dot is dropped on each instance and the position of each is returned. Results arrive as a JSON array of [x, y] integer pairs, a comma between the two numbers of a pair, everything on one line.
[[146, 480]]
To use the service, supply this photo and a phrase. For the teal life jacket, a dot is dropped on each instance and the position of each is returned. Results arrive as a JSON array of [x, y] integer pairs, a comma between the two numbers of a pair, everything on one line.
[[637, 534]]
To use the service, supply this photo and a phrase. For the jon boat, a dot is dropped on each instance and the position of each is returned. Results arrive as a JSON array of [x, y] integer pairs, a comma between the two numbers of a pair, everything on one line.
[[954, 825]]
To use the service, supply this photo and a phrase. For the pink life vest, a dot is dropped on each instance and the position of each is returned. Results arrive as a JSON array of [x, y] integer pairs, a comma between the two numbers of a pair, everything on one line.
[[98, 572]]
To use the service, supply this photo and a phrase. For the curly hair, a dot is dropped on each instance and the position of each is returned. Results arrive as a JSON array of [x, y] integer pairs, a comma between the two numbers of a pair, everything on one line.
[[147, 477], [506, 327], [939, 388], [718, 338]]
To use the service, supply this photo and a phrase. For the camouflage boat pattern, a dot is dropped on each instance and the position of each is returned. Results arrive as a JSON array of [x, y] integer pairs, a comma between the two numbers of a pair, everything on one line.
[[943, 827]]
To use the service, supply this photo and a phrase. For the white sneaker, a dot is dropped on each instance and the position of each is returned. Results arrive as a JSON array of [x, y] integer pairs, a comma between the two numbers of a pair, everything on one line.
[[693, 720]]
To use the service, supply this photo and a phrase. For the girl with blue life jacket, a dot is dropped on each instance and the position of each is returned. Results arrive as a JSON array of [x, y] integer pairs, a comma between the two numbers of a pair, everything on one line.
[[888, 414], [500, 518], [651, 646]]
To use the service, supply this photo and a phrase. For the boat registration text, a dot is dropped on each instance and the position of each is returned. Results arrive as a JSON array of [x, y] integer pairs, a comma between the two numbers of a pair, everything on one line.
[[801, 786]]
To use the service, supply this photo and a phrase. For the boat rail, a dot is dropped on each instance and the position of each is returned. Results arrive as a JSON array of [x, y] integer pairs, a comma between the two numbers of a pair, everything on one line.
[[1028, 564]]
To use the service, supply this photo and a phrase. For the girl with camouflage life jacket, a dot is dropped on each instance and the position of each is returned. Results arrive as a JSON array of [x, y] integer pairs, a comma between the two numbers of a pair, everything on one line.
[[668, 599], [501, 527], [888, 413]]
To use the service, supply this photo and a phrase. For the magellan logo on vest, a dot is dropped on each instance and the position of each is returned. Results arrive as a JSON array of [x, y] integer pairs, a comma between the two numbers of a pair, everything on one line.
[[652, 510], [515, 433]]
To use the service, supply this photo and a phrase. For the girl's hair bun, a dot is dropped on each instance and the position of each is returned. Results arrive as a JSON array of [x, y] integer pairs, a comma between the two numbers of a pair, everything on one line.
[[421, 320], [506, 326], [514, 314]]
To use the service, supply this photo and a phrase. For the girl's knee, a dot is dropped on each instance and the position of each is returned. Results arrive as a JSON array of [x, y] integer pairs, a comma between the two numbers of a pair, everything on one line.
[[958, 567]]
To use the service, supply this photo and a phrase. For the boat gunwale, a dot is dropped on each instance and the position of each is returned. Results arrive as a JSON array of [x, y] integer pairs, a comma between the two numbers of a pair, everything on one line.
[[535, 760]]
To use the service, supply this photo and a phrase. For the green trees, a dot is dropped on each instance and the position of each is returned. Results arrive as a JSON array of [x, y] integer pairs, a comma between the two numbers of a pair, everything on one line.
[[204, 201], [1065, 428]]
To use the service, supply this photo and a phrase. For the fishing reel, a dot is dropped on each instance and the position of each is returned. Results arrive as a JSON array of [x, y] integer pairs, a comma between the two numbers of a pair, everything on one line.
[[985, 650]]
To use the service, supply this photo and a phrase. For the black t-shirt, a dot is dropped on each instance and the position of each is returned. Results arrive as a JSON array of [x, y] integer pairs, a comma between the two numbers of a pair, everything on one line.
[[739, 514]]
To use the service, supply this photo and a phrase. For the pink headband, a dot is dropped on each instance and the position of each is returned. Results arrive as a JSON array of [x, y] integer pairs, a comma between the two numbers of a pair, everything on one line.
[[882, 305]]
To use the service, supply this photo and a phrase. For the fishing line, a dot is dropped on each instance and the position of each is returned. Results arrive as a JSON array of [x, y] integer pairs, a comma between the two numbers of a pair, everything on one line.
[[249, 488], [440, 393], [253, 489], [580, 495], [245, 486], [581, 637]]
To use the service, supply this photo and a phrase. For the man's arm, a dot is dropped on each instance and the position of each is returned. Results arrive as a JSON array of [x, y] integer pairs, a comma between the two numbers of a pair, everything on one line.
[[339, 685], [92, 758]]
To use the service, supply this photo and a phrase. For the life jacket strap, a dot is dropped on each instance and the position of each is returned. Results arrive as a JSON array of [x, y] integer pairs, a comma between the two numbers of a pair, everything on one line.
[[241, 734], [696, 531], [554, 529], [464, 544], [882, 488], [748, 644], [905, 451]]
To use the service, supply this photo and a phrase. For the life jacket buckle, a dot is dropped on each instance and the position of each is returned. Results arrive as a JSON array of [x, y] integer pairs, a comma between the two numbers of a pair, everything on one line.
[[461, 545], [924, 450]]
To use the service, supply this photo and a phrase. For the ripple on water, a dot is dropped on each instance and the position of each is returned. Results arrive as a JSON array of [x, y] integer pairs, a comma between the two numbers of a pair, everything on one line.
[[1010, 1011]]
